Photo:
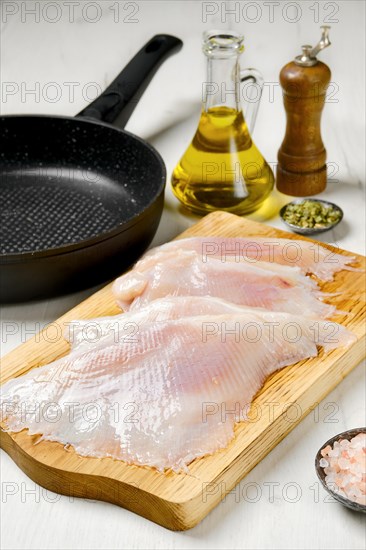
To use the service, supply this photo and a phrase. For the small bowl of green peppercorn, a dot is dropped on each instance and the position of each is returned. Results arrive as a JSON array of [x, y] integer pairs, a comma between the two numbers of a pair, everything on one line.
[[311, 216]]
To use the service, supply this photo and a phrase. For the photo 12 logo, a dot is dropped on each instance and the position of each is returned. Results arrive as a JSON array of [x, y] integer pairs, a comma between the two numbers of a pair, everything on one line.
[[268, 411], [272, 492], [72, 12], [25, 492], [272, 12], [50, 92]]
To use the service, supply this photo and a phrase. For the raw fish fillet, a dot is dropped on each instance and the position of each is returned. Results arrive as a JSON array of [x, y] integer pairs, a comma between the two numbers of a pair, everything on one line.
[[177, 272], [86, 333], [89, 333], [310, 257], [164, 399]]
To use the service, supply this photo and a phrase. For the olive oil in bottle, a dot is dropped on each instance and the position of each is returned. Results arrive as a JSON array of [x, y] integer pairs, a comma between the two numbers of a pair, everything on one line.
[[222, 168]]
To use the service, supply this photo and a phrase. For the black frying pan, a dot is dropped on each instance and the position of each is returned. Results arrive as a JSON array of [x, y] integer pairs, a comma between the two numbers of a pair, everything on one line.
[[80, 198]]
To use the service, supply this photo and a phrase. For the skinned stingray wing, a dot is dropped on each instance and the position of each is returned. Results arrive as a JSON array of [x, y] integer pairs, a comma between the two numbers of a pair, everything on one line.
[[159, 400], [277, 288], [309, 256]]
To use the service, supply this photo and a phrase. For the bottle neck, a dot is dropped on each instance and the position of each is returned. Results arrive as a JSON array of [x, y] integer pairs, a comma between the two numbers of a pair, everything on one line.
[[222, 86]]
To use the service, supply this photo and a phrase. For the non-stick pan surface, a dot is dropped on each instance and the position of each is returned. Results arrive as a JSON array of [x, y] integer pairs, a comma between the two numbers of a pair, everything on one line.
[[76, 180], [80, 199]]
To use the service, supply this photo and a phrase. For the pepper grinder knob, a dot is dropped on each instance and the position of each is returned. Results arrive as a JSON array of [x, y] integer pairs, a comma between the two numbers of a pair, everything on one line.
[[324, 41]]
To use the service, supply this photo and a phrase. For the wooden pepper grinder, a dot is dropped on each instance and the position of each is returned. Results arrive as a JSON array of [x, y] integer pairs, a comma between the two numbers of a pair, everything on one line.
[[301, 169]]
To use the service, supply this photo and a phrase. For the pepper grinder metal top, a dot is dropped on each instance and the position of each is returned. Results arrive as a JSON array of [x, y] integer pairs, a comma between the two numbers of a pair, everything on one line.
[[308, 57], [301, 169]]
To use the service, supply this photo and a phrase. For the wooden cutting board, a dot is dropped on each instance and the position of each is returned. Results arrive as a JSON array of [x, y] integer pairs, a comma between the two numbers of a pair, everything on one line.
[[180, 501]]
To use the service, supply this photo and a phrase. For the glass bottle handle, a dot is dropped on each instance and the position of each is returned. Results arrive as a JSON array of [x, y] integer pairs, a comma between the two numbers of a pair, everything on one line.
[[251, 111]]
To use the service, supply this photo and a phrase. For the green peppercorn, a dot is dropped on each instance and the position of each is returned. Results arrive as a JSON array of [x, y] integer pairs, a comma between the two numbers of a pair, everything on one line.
[[311, 214]]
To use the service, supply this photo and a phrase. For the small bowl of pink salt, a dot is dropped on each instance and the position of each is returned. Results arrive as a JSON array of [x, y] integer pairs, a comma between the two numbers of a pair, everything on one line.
[[341, 467]]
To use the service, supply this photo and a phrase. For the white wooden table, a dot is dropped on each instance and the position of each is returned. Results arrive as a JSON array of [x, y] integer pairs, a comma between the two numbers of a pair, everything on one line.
[[280, 503]]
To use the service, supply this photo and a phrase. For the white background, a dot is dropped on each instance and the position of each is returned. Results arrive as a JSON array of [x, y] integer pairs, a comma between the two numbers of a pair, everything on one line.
[[35, 54]]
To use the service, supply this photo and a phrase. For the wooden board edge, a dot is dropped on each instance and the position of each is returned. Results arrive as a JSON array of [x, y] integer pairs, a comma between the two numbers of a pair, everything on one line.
[[95, 487]]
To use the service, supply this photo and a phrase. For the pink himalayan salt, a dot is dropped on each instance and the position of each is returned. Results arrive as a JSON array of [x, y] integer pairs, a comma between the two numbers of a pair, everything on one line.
[[326, 450], [345, 467]]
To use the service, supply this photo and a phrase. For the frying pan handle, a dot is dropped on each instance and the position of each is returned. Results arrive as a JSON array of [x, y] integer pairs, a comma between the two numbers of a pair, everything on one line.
[[119, 100]]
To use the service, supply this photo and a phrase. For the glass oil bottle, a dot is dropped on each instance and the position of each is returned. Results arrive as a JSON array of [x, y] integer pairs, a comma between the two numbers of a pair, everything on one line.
[[222, 169]]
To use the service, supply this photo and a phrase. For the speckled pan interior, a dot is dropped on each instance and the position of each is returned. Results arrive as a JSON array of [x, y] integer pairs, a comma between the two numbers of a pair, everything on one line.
[[64, 181]]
